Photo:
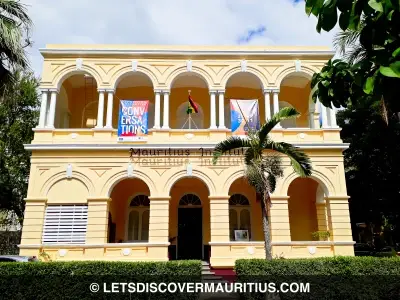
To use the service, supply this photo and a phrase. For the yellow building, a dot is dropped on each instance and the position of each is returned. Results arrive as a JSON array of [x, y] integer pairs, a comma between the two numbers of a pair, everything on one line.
[[88, 199]]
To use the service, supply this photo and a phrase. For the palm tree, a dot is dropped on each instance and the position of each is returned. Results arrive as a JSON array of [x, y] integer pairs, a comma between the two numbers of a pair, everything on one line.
[[262, 158], [15, 26], [347, 43]]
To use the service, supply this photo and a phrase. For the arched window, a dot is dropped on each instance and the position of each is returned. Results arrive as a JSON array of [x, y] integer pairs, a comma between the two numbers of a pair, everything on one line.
[[239, 215], [189, 199], [139, 216]]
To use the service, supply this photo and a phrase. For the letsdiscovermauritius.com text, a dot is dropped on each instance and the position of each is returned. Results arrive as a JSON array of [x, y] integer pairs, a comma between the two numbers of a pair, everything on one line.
[[179, 152], [200, 287]]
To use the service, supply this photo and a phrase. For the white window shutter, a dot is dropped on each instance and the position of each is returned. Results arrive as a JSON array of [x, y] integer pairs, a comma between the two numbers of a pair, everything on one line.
[[65, 224]]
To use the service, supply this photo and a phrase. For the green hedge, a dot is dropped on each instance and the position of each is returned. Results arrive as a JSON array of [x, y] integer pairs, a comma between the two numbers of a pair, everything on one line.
[[328, 278], [71, 280]]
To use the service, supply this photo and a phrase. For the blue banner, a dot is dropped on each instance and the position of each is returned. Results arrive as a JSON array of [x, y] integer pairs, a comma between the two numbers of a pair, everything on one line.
[[244, 114], [133, 120]]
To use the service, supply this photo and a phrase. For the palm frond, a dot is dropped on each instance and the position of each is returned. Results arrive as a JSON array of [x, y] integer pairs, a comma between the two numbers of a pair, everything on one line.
[[345, 39], [16, 10], [355, 54], [272, 164], [271, 183], [300, 161], [231, 143], [283, 114], [256, 177]]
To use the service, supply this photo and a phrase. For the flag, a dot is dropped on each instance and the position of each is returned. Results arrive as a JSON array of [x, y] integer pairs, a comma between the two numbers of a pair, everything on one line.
[[192, 107]]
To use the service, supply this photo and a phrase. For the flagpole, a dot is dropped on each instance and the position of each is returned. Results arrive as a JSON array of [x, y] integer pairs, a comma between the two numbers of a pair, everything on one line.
[[190, 115]]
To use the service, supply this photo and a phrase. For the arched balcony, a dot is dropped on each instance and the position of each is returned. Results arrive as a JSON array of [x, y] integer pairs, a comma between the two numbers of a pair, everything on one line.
[[79, 104]]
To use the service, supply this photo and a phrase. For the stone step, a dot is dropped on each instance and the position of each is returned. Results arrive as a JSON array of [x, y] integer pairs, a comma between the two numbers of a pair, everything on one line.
[[207, 272], [211, 278]]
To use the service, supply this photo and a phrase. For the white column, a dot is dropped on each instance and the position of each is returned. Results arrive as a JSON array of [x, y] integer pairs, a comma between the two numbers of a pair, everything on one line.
[[52, 110], [213, 110], [324, 113], [267, 103], [276, 105], [157, 112], [333, 117], [221, 99], [110, 103], [43, 109], [100, 110], [166, 110]]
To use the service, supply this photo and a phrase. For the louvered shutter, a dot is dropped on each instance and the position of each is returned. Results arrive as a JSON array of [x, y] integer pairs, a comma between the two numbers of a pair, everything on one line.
[[65, 224]]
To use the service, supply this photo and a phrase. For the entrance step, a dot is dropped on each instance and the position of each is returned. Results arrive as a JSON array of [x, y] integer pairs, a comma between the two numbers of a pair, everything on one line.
[[209, 276]]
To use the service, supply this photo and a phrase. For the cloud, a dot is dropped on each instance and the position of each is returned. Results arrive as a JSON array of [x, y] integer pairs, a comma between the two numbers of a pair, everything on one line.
[[206, 22], [251, 34]]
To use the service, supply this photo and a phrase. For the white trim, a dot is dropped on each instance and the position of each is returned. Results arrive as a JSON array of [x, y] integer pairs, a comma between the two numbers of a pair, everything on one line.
[[234, 243], [296, 243], [86, 246], [177, 52], [314, 243], [127, 146]]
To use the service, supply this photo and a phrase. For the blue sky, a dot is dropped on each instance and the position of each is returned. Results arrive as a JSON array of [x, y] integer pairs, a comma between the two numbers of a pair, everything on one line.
[[179, 22]]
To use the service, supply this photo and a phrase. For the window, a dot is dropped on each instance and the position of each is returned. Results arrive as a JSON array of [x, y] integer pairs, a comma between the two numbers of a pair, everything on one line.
[[189, 199], [239, 215], [65, 224], [139, 217]]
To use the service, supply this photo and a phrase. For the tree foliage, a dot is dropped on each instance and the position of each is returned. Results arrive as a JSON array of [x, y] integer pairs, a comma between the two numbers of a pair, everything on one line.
[[263, 165], [15, 26], [375, 24], [372, 164], [17, 118]]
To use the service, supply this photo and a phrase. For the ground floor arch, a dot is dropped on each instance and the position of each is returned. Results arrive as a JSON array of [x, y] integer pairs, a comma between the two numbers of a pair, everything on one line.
[[130, 211], [308, 212], [189, 219]]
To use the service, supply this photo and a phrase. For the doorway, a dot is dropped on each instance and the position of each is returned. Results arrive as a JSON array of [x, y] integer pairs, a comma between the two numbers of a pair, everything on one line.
[[190, 233]]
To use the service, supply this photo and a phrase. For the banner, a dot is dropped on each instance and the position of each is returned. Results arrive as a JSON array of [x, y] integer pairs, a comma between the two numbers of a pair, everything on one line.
[[132, 121], [242, 111]]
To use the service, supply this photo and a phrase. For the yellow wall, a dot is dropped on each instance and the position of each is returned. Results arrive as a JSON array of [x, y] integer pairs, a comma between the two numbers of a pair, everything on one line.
[[302, 209]]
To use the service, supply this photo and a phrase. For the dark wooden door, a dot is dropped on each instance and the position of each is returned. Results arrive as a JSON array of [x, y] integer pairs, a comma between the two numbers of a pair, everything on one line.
[[190, 233]]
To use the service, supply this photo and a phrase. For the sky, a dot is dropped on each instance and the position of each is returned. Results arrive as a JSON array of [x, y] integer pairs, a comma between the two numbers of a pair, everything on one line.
[[173, 22]]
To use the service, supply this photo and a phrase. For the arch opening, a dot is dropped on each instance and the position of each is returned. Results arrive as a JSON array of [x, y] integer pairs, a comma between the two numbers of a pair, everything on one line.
[[180, 88], [243, 86], [133, 86], [308, 213], [77, 102], [245, 220], [189, 219], [295, 91], [130, 208]]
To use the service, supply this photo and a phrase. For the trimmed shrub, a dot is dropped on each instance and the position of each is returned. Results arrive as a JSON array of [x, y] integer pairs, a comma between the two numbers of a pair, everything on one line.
[[328, 278], [72, 280]]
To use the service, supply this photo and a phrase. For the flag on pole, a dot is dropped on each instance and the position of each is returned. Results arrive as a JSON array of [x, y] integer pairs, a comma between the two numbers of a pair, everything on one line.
[[192, 107]]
